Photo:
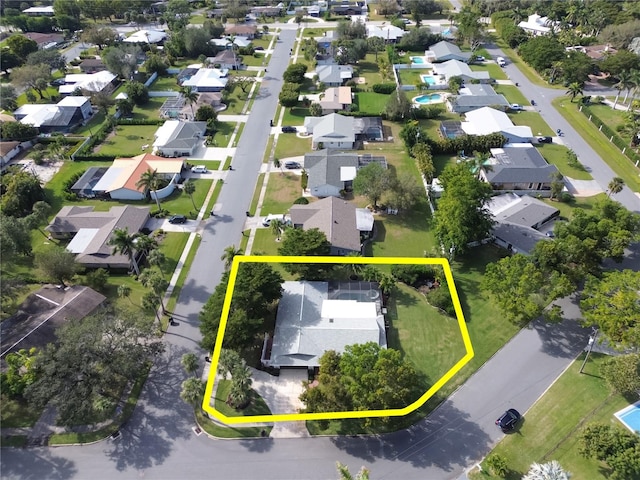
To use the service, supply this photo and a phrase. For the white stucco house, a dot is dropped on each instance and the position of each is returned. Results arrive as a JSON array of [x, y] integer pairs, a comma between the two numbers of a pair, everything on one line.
[[331, 131], [177, 138], [486, 120]]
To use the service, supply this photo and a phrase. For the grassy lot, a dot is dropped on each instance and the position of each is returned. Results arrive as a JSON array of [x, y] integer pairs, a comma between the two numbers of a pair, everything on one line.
[[197, 19], [92, 125], [441, 161], [494, 70], [368, 69], [290, 145], [220, 431], [175, 294], [550, 428], [511, 93], [150, 110], [620, 164], [533, 120], [16, 413], [127, 141], [265, 242], [567, 209], [295, 116], [223, 133], [256, 407], [613, 118], [282, 190], [412, 76], [315, 32], [169, 82], [557, 155], [255, 60], [371, 102], [235, 101], [211, 165]]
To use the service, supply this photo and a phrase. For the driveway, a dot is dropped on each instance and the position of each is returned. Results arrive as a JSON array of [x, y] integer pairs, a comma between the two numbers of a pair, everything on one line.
[[163, 223]]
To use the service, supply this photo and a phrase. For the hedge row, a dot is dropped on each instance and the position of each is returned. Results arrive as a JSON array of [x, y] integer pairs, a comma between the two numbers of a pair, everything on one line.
[[466, 143], [613, 136], [94, 158], [140, 121], [384, 87]]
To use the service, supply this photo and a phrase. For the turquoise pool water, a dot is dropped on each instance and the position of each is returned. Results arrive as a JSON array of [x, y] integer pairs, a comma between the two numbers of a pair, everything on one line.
[[630, 416], [430, 98], [418, 60], [428, 79]]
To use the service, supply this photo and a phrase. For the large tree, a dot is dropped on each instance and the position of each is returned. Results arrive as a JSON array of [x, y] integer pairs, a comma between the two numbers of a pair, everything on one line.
[[297, 242], [622, 374], [123, 242], [21, 46], [21, 190], [462, 216], [372, 181], [57, 264], [52, 58], [99, 36], [122, 60], [32, 76], [540, 52], [92, 361]]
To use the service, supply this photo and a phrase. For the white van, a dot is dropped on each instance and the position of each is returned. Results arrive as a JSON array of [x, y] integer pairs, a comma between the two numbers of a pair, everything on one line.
[[501, 61]]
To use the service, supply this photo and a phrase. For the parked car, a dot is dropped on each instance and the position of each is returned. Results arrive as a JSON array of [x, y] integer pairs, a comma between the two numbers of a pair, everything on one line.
[[508, 420], [517, 107], [480, 58], [175, 219], [545, 140], [199, 169], [259, 48], [292, 165], [289, 129]]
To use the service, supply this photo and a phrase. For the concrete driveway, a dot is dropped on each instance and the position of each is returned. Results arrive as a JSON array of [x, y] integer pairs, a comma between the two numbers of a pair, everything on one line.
[[163, 223]]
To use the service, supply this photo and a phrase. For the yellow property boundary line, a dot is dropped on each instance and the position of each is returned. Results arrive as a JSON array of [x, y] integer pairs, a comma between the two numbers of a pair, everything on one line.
[[443, 262]]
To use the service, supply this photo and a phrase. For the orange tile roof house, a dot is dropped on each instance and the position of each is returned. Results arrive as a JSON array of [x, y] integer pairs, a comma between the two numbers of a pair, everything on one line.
[[335, 99]]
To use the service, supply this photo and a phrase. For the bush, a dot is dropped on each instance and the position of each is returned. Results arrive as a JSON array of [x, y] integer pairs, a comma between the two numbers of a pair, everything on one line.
[[413, 275], [441, 299], [301, 201], [70, 182], [386, 88], [97, 279], [159, 213]]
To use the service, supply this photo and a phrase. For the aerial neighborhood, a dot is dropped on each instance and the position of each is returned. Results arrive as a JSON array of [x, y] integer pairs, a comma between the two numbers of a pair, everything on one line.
[[405, 231]]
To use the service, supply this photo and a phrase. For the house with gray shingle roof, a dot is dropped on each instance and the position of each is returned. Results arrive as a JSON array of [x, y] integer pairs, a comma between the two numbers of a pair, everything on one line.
[[176, 138], [444, 51], [331, 131], [474, 96], [91, 231], [344, 225], [456, 68], [334, 75], [519, 167], [315, 317]]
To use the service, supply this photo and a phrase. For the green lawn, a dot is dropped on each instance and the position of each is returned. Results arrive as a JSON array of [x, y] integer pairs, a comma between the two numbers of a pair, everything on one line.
[[550, 428], [256, 407], [283, 189], [265, 243], [368, 69], [621, 165], [220, 431], [557, 155], [92, 125], [533, 120], [255, 60], [612, 118], [16, 413], [512, 94], [567, 208], [494, 70], [223, 133], [150, 110], [294, 116], [371, 102], [290, 145], [169, 82], [171, 304], [127, 141], [411, 76], [197, 19], [235, 101]]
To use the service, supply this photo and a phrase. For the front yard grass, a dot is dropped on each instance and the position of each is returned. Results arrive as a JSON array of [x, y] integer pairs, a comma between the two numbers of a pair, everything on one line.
[[550, 428], [533, 120], [256, 407], [294, 116], [221, 431], [557, 155], [255, 60], [291, 145], [511, 93], [494, 70], [283, 188], [621, 165], [127, 141]]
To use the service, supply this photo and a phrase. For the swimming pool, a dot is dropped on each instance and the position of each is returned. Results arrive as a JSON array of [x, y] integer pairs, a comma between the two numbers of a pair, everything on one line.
[[428, 79], [418, 60], [429, 98], [630, 417]]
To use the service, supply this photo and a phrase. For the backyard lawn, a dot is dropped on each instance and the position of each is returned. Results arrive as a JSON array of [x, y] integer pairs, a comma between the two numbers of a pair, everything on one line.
[[150, 110], [368, 69], [128, 140], [169, 82], [371, 102]]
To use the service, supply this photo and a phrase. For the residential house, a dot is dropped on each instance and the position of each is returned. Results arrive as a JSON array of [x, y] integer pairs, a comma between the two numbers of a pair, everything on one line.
[[519, 167], [345, 226], [176, 138], [241, 30], [39, 11], [8, 150], [519, 220], [269, 12], [63, 117], [314, 317], [147, 36], [91, 82], [92, 65], [456, 68], [325, 41], [474, 96], [85, 185], [389, 33], [536, 25], [445, 51], [332, 171], [90, 232], [206, 80], [229, 43], [348, 10], [486, 120], [227, 60], [331, 131], [335, 99], [334, 75], [45, 40], [119, 181], [595, 52]]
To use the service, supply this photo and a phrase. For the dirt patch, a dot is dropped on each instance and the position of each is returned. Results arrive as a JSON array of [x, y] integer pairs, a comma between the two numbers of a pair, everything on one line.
[[360, 80], [44, 172]]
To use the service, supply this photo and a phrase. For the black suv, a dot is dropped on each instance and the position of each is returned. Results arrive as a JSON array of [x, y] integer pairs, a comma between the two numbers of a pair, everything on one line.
[[508, 420], [289, 129], [292, 165], [178, 219], [545, 140]]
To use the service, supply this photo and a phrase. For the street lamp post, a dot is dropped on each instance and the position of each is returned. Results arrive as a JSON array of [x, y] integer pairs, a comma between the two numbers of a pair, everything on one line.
[[592, 340]]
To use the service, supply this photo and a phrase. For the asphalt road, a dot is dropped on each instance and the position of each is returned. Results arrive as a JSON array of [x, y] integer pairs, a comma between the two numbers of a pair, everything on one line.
[[158, 442]]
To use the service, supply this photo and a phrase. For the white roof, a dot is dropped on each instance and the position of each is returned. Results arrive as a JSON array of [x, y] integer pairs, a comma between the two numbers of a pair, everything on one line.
[[387, 32], [82, 239], [146, 36], [73, 101], [536, 23], [364, 220], [41, 116], [93, 82], [347, 173], [207, 77], [29, 108], [165, 131], [486, 120], [47, 10], [122, 96]]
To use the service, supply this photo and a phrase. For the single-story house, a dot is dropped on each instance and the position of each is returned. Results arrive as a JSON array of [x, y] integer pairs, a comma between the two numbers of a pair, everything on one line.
[[331, 131], [147, 36], [39, 11], [241, 30], [91, 231], [176, 138], [45, 40], [271, 12], [332, 171], [445, 51], [536, 25], [456, 68], [119, 181], [91, 82], [388, 33], [8, 150], [206, 80], [334, 99], [315, 317], [334, 75], [228, 43], [519, 167], [474, 96], [227, 60], [345, 226], [518, 219], [92, 65], [325, 41], [67, 114], [486, 120], [348, 10], [85, 185], [595, 52], [42, 313]]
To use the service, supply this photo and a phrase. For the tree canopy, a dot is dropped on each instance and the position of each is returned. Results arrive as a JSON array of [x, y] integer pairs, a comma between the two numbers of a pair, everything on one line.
[[372, 181], [297, 242]]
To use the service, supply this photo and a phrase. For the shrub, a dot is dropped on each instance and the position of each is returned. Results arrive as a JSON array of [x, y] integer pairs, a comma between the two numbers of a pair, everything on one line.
[[69, 182], [441, 299], [97, 279], [301, 201], [386, 88], [413, 275]]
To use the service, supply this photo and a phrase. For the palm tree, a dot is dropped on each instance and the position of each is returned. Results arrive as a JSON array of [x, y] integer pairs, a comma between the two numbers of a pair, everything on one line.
[[615, 186], [278, 164], [189, 362], [479, 162], [619, 87], [124, 291], [277, 227], [547, 471], [241, 382], [189, 188], [157, 283], [574, 90], [157, 258], [228, 255], [556, 69], [192, 391], [125, 244], [343, 470], [149, 180], [624, 78], [634, 80], [146, 244], [191, 97]]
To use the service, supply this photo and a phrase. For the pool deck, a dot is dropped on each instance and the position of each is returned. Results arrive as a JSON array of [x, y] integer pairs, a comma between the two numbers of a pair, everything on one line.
[[622, 414]]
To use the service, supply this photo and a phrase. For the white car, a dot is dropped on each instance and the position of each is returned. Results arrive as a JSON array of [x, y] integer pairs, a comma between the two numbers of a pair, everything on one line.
[[199, 169], [517, 107]]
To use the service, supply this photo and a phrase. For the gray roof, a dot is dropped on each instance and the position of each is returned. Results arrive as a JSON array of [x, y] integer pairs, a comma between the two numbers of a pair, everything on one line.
[[89, 179], [442, 49], [479, 101], [331, 128], [456, 68], [335, 217], [186, 135], [519, 164], [323, 166], [520, 210], [302, 334], [71, 220], [479, 89], [522, 238], [334, 73]]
